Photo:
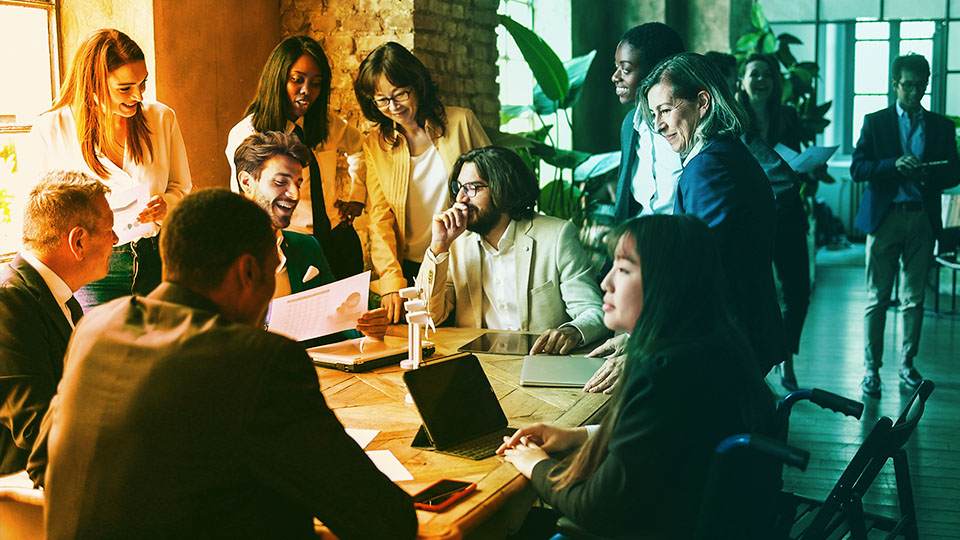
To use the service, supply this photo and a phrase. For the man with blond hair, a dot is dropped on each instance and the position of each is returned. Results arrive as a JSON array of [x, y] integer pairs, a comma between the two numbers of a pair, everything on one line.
[[67, 239]]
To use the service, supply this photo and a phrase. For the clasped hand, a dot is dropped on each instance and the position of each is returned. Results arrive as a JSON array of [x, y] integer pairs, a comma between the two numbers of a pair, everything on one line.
[[909, 165], [529, 446]]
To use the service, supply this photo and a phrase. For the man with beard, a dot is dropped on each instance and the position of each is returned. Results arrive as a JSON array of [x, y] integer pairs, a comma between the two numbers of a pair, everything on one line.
[[515, 269], [270, 172]]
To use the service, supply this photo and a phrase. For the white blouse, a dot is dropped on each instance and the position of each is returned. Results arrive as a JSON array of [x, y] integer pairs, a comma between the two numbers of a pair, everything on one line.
[[342, 138], [165, 169]]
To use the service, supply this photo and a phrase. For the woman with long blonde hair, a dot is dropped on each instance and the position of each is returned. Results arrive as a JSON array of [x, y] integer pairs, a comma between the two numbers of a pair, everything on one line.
[[101, 125]]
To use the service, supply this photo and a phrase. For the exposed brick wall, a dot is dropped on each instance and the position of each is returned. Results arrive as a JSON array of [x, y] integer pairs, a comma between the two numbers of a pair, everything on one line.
[[455, 39]]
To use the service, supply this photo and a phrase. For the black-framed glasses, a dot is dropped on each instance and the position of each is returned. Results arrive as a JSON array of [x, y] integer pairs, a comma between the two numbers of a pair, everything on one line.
[[911, 85], [398, 98], [470, 189]]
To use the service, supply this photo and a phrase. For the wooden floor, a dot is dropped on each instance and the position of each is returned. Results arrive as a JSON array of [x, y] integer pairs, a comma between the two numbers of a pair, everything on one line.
[[831, 358]]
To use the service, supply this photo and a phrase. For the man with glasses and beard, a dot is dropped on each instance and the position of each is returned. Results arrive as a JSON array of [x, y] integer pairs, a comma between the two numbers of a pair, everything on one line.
[[907, 156], [495, 262]]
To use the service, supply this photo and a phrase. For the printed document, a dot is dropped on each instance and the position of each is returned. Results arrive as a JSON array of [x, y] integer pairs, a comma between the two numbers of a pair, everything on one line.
[[320, 311]]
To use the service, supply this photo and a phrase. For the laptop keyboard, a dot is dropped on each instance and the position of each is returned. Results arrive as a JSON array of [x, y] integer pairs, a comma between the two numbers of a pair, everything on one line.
[[481, 447]]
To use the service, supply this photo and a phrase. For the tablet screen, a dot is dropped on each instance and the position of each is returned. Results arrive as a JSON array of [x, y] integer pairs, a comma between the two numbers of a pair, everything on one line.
[[501, 343]]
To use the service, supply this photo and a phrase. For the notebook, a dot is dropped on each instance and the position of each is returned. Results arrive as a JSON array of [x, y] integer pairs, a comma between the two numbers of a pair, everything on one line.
[[363, 354], [460, 412], [563, 371]]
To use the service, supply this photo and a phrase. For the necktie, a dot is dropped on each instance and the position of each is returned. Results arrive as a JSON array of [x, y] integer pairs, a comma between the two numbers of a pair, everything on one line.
[[321, 223], [75, 310]]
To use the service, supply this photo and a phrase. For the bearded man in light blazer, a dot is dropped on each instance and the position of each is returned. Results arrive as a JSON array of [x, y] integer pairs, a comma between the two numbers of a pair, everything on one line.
[[494, 262]]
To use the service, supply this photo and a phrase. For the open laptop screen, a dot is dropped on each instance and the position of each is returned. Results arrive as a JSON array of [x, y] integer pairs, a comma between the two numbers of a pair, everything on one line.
[[455, 400]]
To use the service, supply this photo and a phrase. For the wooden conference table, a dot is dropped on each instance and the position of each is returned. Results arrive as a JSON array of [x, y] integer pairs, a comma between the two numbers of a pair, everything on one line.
[[375, 400]]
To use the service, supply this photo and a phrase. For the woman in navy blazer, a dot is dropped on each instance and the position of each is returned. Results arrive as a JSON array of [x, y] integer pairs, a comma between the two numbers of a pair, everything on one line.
[[687, 100]]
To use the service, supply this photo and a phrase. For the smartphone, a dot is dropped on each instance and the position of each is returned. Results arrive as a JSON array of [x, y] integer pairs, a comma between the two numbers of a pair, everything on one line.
[[442, 495]]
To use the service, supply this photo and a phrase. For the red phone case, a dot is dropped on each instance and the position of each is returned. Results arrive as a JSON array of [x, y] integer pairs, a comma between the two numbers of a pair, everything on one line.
[[447, 503]]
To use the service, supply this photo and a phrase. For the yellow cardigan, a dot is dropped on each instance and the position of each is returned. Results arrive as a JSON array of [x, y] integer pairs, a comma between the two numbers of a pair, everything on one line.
[[388, 178]]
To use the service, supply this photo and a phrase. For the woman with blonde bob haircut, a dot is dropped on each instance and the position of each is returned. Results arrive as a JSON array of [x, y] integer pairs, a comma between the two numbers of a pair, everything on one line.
[[687, 100], [101, 125], [688, 382]]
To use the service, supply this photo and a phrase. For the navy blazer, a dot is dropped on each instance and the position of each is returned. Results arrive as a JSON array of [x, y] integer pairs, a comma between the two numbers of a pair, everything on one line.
[[626, 206], [725, 187], [33, 339], [874, 161]]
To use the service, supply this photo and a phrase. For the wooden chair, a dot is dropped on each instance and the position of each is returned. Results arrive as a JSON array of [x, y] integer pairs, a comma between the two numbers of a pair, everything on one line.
[[21, 509], [842, 514]]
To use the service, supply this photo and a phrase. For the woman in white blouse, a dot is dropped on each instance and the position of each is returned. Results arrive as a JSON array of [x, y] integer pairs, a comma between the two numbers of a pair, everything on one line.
[[293, 96], [101, 125]]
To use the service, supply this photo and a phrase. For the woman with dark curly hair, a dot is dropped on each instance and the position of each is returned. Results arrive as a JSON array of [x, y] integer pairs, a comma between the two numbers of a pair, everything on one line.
[[409, 159]]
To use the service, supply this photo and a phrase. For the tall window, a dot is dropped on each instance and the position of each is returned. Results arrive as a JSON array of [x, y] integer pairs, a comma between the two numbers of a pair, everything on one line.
[[551, 21], [30, 71], [876, 46]]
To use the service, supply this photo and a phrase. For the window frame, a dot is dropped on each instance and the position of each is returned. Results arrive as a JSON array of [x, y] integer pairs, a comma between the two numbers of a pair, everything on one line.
[[52, 8]]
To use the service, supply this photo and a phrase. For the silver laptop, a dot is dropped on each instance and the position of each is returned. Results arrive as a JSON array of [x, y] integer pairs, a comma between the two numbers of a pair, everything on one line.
[[561, 371]]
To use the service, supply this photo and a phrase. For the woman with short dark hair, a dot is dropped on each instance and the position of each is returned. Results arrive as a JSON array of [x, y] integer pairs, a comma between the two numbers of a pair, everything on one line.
[[409, 158]]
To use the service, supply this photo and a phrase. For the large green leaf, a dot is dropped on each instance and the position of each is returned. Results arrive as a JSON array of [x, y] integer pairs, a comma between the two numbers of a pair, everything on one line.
[[561, 199], [748, 41], [543, 62], [577, 69], [596, 165], [565, 159], [757, 18], [508, 140]]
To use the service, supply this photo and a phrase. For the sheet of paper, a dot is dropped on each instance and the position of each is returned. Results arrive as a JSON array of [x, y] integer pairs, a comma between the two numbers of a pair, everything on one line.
[[362, 436], [322, 310], [808, 160], [126, 206], [389, 465]]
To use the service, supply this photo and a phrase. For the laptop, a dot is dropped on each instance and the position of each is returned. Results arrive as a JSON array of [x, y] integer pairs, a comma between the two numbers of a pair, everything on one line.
[[460, 412], [561, 371], [363, 354]]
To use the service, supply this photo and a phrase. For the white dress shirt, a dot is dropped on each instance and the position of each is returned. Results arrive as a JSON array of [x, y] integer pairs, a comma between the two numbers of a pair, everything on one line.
[[500, 307], [59, 288], [165, 169], [658, 170], [427, 195]]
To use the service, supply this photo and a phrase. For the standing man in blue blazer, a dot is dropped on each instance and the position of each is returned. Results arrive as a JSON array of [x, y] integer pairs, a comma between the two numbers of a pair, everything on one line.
[[907, 156]]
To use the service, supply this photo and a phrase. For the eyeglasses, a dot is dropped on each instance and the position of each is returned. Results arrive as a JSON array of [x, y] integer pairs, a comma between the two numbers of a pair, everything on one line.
[[398, 98], [909, 85], [470, 189]]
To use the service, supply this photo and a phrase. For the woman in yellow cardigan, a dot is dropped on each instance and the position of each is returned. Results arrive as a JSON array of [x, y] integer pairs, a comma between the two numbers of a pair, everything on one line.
[[409, 159]]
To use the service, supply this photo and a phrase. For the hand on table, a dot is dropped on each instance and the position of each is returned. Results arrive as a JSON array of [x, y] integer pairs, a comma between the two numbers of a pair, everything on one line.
[[547, 437], [349, 210], [373, 323], [557, 341], [394, 306], [614, 349], [447, 226], [524, 456], [155, 210]]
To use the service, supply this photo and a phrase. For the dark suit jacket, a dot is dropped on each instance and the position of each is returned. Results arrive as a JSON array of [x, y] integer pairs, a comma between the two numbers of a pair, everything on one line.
[[874, 161], [174, 422], [725, 187], [303, 251], [625, 207], [33, 338], [677, 406]]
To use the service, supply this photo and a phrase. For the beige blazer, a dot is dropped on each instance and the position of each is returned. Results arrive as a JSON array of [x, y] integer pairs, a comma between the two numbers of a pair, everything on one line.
[[556, 283], [388, 179]]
